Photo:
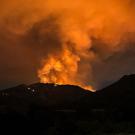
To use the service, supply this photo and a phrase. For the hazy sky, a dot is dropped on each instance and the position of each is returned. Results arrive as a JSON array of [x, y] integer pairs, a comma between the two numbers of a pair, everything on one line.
[[99, 34]]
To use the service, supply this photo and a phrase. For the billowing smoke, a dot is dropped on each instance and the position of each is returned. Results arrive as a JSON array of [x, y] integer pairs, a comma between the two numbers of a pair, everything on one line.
[[83, 42]]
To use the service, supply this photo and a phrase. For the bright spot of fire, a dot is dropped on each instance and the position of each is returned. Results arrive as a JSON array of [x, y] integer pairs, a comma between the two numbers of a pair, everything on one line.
[[62, 70], [87, 33]]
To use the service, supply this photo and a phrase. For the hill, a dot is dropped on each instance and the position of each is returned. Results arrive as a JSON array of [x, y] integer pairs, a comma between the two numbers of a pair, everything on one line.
[[65, 109], [119, 95]]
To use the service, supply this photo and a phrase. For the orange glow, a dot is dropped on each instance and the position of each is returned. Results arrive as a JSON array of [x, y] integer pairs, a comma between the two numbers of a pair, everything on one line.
[[62, 70], [78, 22], [71, 36]]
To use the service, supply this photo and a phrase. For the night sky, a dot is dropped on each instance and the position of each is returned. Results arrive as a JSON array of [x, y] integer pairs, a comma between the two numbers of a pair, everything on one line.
[[86, 42]]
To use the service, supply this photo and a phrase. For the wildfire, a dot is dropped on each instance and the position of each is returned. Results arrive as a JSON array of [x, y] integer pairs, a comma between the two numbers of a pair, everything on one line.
[[77, 36], [62, 69], [76, 42]]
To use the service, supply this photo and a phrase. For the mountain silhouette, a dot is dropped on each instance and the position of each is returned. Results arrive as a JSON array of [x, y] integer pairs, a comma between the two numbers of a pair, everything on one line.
[[42, 95], [119, 95], [66, 109]]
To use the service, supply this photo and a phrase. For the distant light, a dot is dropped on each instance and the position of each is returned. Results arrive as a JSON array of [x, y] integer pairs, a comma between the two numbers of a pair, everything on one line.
[[56, 85], [28, 88], [33, 90]]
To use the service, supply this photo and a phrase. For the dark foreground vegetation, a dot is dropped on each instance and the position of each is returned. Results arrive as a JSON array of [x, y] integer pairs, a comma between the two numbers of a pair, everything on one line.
[[42, 122], [46, 109]]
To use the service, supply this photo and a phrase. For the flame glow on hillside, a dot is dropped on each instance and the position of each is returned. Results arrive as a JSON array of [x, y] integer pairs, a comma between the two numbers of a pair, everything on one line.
[[79, 24], [62, 69]]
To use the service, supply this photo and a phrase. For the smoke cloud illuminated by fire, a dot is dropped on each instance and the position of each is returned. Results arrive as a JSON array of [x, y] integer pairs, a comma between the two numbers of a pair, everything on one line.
[[73, 38]]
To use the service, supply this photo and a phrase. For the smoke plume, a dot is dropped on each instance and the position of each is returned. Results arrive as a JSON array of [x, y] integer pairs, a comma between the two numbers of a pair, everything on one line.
[[89, 43]]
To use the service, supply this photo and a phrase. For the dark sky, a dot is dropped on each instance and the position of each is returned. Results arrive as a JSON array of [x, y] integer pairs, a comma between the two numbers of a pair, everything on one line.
[[100, 32]]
